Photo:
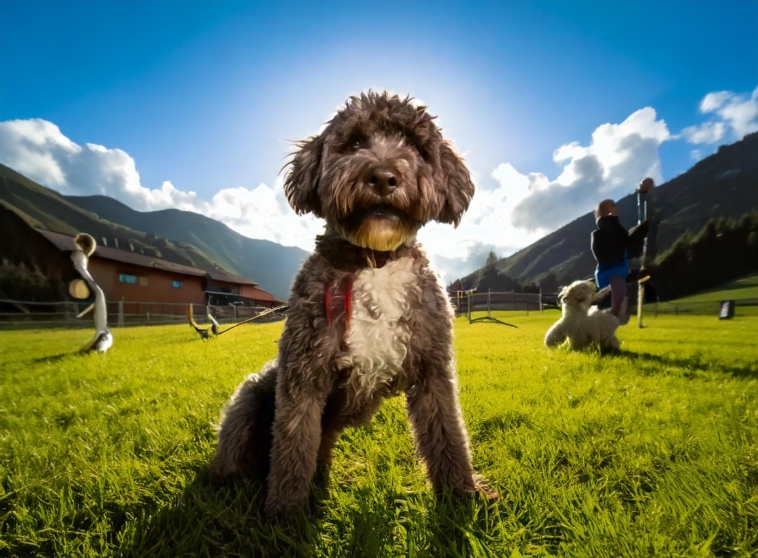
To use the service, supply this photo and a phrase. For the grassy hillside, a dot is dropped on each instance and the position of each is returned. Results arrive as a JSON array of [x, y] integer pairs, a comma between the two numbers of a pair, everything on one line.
[[272, 265], [177, 236], [722, 185], [650, 453], [741, 289], [45, 208]]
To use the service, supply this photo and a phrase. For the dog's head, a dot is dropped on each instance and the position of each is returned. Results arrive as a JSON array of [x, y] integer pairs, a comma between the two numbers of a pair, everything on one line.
[[378, 172], [578, 295]]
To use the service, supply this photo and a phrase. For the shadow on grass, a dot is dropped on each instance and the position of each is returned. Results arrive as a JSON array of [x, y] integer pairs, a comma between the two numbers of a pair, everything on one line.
[[58, 357], [692, 364], [208, 519], [400, 526], [211, 519]]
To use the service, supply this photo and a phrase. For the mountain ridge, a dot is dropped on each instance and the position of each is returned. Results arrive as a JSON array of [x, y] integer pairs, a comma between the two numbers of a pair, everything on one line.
[[724, 184], [174, 235], [232, 249]]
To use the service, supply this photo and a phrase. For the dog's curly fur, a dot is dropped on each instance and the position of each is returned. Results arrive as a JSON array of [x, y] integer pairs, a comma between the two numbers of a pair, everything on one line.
[[376, 174], [581, 323]]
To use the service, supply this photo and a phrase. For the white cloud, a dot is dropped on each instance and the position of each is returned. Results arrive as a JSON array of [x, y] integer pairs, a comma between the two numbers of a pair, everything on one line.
[[618, 157], [714, 101], [485, 226], [37, 149], [733, 112], [519, 211], [524, 207], [708, 132]]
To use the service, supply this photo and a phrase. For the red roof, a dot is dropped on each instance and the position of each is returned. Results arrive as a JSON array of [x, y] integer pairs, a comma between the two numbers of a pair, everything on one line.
[[229, 278], [260, 294], [66, 243]]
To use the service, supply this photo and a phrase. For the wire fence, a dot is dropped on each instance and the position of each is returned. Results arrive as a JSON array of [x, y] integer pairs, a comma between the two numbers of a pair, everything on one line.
[[466, 303], [475, 305], [25, 314], [744, 307], [16, 314]]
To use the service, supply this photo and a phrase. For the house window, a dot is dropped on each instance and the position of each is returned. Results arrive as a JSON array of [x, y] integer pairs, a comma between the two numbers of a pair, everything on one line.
[[176, 284], [132, 279]]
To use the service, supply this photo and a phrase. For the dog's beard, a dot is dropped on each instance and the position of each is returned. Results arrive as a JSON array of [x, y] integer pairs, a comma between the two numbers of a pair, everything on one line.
[[380, 227]]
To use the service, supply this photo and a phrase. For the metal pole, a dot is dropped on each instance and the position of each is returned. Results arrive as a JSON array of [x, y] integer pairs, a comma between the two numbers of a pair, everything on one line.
[[489, 308], [641, 216]]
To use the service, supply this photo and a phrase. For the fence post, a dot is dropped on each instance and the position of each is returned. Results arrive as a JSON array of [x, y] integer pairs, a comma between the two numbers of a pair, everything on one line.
[[121, 313], [541, 301], [527, 306], [235, 313]]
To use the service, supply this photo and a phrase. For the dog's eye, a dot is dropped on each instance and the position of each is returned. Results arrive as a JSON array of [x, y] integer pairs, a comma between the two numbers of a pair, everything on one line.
[[355, 143]]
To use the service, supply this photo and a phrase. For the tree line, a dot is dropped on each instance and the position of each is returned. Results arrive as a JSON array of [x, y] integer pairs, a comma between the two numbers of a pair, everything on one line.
[[489, 278], [723, 250]]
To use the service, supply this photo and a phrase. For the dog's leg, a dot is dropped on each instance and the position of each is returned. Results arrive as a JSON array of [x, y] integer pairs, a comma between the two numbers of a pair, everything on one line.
[[334, 422], [244, 437], [614, 343], [440, 434], [296, 440], [555, 335]]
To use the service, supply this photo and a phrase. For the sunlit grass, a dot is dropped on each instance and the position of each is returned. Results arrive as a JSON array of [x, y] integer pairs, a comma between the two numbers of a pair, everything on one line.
[[653, 452], [743, 288]]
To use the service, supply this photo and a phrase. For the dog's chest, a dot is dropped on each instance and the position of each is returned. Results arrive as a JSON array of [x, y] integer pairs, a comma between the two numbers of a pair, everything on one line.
[[379, 333]]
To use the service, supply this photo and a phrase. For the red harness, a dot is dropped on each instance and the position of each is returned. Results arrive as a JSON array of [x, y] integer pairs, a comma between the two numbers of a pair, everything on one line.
[[338, 296]]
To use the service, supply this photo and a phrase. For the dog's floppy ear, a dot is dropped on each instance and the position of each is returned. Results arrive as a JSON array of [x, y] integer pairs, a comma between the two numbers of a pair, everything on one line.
[[301, 183], [454, 184]]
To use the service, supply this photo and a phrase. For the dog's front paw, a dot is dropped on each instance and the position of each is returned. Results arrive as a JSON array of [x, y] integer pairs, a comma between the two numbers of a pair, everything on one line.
[[484, 489], [282, 510]]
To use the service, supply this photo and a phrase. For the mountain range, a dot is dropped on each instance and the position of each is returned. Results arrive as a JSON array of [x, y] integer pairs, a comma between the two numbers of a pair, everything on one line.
[[171, 234], [724, 184]]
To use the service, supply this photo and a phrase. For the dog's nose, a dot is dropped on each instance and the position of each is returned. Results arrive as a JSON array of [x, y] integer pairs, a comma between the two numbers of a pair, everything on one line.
[[383, 180]]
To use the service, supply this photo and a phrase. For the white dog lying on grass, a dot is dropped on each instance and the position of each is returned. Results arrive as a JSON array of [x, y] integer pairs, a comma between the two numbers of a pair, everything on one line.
[[581, 324]]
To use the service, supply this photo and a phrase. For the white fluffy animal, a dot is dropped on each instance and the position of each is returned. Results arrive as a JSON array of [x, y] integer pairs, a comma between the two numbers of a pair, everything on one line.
[[581, 324]]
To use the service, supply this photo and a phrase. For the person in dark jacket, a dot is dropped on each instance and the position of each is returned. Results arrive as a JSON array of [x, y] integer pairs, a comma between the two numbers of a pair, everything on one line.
[[611, 244]]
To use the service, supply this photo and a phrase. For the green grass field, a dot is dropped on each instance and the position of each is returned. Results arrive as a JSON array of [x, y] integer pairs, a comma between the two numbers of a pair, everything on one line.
[[741, 289], [650, 453], [744, 291]]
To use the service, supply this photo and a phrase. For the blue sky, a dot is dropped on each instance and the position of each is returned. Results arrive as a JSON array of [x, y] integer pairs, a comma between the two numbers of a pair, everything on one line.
[[204, 96]]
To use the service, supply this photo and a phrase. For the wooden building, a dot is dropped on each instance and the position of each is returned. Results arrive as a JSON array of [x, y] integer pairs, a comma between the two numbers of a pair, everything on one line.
[[129, 276]]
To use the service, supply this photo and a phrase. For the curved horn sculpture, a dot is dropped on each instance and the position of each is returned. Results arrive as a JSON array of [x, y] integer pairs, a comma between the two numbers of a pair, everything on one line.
[[103, 340]]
